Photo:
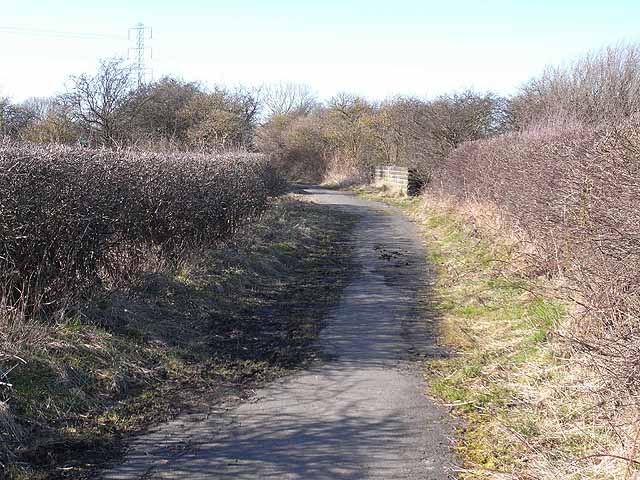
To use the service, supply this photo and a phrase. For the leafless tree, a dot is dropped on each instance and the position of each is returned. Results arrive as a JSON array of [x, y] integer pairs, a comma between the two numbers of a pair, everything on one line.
[[347, 125], [98, 103], [158, 109], [602, 86], [39, 107], [14, 118], [245, 102], [287, 98], [221, 118]]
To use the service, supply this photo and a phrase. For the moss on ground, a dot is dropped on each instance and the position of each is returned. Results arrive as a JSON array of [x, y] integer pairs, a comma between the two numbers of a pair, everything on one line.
[[206, 329]]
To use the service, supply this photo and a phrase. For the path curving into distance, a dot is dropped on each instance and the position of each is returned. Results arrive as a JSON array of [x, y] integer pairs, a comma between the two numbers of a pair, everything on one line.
[[361, 414]]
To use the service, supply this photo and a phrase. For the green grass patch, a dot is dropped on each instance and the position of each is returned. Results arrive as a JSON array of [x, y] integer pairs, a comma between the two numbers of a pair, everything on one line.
[[507, 376]]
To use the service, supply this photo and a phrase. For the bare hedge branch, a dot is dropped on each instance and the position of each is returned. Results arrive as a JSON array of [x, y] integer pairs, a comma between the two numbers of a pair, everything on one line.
[[69, 214]]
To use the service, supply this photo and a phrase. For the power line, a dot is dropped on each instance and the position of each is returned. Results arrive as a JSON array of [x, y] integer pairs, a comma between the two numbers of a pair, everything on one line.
[[140, 51], [57, 33]]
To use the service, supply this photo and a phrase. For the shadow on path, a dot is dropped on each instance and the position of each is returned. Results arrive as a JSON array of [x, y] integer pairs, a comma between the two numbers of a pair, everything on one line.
[[362, 414]]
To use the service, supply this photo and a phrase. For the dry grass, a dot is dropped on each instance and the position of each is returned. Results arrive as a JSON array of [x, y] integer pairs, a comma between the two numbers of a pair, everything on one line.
[[533, 408], [342, 173], [570, 192], [206, 326]]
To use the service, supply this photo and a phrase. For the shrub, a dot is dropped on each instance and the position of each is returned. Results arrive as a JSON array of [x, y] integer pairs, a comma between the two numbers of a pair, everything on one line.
[[573, 191], [349, 134], [70, 217], [601, 86]]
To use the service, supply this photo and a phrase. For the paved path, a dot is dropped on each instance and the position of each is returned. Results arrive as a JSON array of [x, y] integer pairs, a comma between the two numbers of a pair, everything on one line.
[[362, 414]]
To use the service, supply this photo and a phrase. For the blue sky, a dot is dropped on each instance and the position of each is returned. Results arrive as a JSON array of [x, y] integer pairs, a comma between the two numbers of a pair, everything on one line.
[[375, 48]]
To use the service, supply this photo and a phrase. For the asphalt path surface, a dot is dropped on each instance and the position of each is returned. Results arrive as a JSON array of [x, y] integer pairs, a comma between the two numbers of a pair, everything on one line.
[[363, 413]]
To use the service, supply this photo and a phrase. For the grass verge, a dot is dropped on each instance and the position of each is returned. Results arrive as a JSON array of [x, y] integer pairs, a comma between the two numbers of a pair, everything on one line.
[[530, 410], [203, 329]]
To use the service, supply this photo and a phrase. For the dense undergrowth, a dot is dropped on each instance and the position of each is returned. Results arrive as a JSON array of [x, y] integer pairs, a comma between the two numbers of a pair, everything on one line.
[[199, 330], [72, 219], [134, 284], [533, 407], [571, 193]]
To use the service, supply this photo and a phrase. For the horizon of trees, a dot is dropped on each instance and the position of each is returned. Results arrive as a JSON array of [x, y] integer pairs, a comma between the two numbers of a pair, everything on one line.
[[287, 121], [109, 108], [307, 137]]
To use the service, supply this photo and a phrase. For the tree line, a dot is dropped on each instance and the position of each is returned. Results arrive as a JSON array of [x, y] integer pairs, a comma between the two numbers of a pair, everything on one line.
[[109, 108], [303, 136], [348, 134], [344, 136], [311, 139]]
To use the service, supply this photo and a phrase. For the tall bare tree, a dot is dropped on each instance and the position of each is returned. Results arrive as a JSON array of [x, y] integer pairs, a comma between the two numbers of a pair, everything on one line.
[[287, 98], [98, 103], [602, 86]]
